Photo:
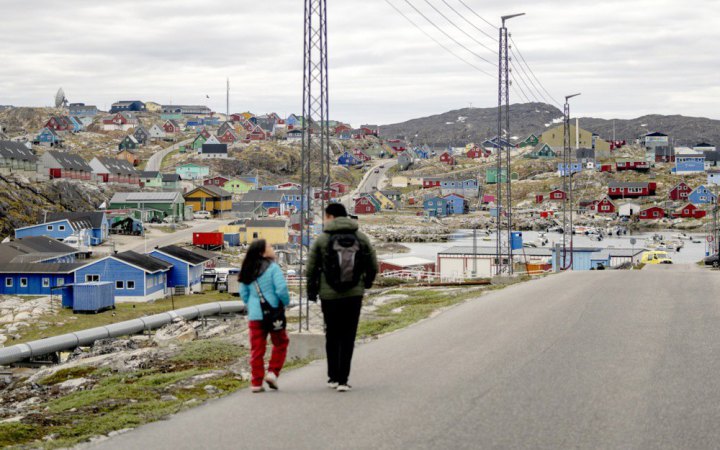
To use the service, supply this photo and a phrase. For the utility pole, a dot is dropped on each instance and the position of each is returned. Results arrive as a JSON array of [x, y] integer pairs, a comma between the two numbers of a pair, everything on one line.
[[503, 201], [315, 156], [227, 100], [567, 188]]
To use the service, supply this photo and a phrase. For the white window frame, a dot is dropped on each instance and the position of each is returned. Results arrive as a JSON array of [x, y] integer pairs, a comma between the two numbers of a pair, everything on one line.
[[61, 227], [119, 284], [9, 282], [23, 282], [92, 278], [60, 281], [49, 228], [130, 285], [46, 282]]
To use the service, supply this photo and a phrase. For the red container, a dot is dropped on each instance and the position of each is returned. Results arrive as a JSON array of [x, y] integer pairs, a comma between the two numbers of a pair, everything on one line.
[[214, 238]]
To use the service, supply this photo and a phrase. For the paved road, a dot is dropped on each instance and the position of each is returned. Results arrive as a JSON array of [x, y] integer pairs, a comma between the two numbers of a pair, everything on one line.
[[155, 161], [585, 360], [370, 179], [184, 235]]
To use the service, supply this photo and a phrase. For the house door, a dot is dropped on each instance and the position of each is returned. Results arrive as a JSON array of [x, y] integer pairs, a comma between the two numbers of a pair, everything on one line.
[[55, 173]]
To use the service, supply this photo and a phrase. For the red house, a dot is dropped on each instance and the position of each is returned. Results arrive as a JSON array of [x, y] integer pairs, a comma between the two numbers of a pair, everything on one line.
[[117, 119], [205, 133], [557, 194], [407, 263], [288, 185], [228, 137], [257, 134], [477, 152], [690, 211], [605, 168], [680, 192], [640, 166], [340, 188], [539, 198], [447, 158], [397, 145], [59, 123], [631, 190], [216, 181], [342, 128], [171, 127], [361, 155], [605, 206], [236, 117], [654, 212], [431, 182], [363, 205]]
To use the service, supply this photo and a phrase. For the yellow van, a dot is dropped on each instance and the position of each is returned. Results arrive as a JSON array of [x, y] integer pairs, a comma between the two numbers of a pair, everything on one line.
[[656, 257]]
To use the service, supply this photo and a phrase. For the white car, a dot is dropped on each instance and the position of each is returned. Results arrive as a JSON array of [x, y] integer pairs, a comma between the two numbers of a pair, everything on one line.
[[202, 215]]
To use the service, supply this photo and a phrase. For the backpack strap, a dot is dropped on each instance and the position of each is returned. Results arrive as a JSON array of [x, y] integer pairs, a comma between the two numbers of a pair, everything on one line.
[[259, 292]]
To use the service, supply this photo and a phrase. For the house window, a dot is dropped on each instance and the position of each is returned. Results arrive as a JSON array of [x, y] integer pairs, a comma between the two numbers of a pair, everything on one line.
[[89, 278], [130, 284], [656, 214], [119, 284], [49, 227], [8, 282], [255, 235], [61, 227], [46, 282], [23, 282], [60, 282]]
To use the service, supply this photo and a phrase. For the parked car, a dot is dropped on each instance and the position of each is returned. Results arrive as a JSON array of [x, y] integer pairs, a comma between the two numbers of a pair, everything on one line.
[[377, 171], [656, 257], [712, 260], [202, 215]]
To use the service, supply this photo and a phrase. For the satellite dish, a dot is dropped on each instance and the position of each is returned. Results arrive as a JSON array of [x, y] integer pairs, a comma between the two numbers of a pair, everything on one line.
[[60, 100]]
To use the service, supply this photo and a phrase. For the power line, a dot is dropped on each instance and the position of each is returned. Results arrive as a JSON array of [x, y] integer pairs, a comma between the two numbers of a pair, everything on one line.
[[524, 82], [515, 84], [447, 35], [522, 58], [469, 22], [438, 42], [461, 30], [478, 15]]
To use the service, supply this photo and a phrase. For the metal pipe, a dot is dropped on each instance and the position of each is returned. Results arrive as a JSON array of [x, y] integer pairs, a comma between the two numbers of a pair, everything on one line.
[[19, 352]]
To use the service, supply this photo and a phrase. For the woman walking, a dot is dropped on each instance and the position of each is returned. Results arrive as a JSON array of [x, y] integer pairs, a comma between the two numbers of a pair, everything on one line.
[[260, 277]]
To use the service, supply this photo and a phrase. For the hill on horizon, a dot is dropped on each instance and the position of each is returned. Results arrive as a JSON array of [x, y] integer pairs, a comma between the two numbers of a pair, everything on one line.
[[460, 126]]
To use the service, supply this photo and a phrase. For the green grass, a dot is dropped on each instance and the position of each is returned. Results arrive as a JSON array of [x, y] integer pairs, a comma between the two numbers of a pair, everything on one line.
[[67, 374], [209, 352], [16, 433], [64, 321]]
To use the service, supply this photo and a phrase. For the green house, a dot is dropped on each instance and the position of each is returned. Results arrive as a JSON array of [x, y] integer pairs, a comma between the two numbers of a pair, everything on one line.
[[491, 175], [192, 171], [530, 141], [128, 143], [198, 142], [542, 151], [239, 186], [171, 116], [161, 204], [150, 178]]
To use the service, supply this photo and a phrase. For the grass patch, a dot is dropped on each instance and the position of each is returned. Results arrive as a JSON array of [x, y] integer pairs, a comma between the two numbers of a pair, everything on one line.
[[420, 304], [210, 352], [64, 321], [68, 374], [15, 433]]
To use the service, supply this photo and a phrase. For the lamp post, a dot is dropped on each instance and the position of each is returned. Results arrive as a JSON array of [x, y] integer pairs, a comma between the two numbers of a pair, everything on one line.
[[567, 185]]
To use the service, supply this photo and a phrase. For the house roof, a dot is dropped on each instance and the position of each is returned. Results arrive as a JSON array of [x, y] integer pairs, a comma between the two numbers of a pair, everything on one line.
[[94, 218], [145, 262], [70, 161], [656, 134], [183, 254], [150, 197], [55, 268], [257, 195], [617, 184], [212, 190], [148, 173], [704, 144], [16, 150], [713, 156], [119, 166], [170, 177], [214, 148], [407, 261], [33, 249], [265, 223], [245, 207]]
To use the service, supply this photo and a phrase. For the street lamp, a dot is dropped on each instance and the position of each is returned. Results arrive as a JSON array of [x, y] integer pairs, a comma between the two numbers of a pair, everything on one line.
[[567, 184]]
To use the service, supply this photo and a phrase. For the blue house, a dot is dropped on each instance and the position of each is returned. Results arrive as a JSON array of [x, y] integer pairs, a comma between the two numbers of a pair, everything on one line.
[[701, 195], [124, 106], [35, 279], [99, 224], [574, 168], [136, 277], [57, 229], [456, 204], [348, 159], [37, 249], [688, 164], [436, 207], [291, 199], [421, 153], [48, 136], [77, 125], [187, 267]]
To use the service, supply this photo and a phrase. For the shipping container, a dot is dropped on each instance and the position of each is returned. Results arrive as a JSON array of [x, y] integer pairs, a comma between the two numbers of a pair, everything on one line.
[[93, 297], [208, 239], [232, 239]]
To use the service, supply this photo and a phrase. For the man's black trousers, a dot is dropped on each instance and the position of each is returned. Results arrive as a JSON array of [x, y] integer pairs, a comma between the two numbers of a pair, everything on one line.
[[341, 322]]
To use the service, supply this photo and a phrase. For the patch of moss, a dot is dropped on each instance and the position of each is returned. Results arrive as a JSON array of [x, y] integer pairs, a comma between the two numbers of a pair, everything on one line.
[[67, 374], [210, 352], [18, 433]]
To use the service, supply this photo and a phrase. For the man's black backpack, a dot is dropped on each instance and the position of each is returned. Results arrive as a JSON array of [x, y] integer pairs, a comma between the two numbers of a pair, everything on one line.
[[345, 262]]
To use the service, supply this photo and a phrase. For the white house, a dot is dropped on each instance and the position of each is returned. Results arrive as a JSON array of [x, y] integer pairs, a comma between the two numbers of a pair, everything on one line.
[[628, 209]]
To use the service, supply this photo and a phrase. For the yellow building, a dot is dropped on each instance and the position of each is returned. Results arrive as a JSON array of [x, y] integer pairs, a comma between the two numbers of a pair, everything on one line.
[[385, 202], [153, 107], [399, 181], [555, 138], [209, 198], [274, 231]]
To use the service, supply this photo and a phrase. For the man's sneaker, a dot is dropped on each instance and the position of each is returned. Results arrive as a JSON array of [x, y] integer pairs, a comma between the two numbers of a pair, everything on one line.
[[332, 384], [271, 380], [344, 388], [257, 389]]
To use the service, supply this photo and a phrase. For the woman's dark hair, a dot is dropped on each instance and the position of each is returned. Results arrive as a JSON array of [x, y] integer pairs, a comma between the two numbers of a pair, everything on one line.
[[254, 263]]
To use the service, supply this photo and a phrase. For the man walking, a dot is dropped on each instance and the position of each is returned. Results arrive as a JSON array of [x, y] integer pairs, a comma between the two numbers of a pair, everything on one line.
[[341, 265]]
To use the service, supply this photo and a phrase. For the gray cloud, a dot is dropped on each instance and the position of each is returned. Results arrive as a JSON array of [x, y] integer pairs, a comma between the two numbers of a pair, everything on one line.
[[628, 57]]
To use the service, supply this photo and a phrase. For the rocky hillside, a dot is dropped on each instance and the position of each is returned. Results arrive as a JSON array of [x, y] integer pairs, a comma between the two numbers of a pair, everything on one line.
[[477, 124], [22, 202]]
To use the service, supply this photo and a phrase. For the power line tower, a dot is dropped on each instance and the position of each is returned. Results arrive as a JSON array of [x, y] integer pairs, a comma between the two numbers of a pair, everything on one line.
[[503, 200], [315, 156], [227, 99], [567, 186]]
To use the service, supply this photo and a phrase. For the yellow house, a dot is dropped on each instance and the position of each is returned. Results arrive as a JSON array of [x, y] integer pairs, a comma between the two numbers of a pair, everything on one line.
[[209, 198], [555, 138], [385, 202], [274, 231], [415, 181], [153, 107]]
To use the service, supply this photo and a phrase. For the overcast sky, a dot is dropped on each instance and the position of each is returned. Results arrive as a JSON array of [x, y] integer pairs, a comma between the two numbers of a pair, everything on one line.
[[627, 57]]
